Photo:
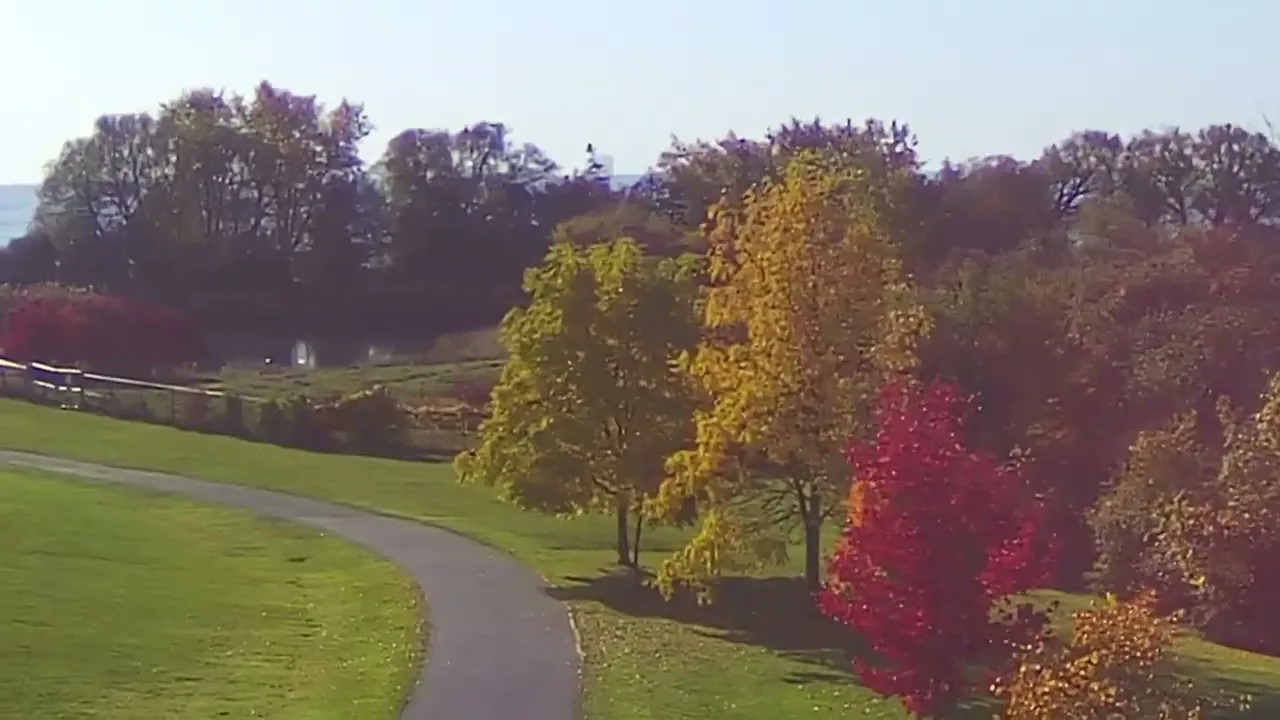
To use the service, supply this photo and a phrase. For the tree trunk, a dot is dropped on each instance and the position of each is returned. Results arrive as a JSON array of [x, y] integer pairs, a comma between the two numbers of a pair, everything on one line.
[[635, 546], [624, 531], [813, 544]]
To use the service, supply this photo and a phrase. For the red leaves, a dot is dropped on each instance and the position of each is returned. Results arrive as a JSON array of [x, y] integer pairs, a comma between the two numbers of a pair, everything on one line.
[[98, 331], [938, 539]]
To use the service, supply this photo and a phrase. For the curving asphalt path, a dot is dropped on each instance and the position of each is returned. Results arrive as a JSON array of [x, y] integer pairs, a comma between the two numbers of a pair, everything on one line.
[[500, 648]]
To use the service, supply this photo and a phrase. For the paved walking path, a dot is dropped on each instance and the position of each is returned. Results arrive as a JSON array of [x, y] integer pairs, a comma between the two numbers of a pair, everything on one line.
[[500, 648]]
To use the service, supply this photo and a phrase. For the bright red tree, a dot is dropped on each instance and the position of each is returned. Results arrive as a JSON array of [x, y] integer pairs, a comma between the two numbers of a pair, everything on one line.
[[938, 539]]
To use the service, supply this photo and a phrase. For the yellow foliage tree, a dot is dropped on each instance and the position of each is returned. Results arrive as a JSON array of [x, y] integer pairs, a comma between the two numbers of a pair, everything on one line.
[[1115, 664], [808, 313]]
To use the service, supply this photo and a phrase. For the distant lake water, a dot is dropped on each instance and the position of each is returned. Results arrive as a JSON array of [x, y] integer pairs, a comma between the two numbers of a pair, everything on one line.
[[17, 206]]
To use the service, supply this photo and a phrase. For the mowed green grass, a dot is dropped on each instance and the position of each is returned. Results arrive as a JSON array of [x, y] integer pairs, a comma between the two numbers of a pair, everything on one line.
[[760, 654], [119, 603]]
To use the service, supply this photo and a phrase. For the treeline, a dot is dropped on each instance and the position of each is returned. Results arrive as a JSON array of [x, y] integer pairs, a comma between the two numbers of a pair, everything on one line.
[[257, 208], [261, 208], [1111, 310]]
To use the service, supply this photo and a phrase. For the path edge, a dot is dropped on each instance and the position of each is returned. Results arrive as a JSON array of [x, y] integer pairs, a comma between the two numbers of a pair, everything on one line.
[[569, 611]]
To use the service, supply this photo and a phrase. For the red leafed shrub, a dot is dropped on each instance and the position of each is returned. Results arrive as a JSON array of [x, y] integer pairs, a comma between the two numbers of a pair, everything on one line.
[[938, 539], [102, 332]]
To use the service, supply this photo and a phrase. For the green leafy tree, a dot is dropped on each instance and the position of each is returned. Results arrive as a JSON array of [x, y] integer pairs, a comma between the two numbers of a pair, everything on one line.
[[214, 193], [590, 402], [626, 218]]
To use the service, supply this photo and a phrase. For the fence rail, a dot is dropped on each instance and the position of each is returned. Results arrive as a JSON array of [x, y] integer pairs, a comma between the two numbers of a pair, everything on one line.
[[72, 387], [431, 433]]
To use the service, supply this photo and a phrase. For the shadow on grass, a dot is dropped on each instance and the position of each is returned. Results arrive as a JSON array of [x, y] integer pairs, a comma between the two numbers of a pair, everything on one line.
[[776, 613], [1263, 697]]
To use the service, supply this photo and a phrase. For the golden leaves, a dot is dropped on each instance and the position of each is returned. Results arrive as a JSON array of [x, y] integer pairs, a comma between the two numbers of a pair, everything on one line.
[[808, 313], [1114, 665]]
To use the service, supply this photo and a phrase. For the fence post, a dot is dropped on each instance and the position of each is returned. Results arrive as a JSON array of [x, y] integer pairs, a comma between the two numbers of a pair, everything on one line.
[[74, 388]]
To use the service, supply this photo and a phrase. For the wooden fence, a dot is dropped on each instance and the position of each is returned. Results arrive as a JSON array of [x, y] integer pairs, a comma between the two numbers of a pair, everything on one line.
[[73, 388], [433, 432]]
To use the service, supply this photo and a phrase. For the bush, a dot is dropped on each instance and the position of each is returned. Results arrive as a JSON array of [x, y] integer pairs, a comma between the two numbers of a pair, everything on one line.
[[370, 421], [472, 392], [273, 424], [13, 295], [101, 332], [141, 409], [937, 539], [306, 425], [292, 421], [194, 411], [1115, 664], [234, 418]]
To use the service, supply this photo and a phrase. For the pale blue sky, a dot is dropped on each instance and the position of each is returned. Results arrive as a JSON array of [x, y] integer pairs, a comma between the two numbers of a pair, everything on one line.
[[972, 77]]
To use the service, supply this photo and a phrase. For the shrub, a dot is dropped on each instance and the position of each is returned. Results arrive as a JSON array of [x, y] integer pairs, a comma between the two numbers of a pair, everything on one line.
[[472, 392], [306, 426], [937, 539], [13, 295], [234, 418], [102, 332], [273, 424], [142, 409], [370, 421], [292, 421], [1115, 664], [194, 410]]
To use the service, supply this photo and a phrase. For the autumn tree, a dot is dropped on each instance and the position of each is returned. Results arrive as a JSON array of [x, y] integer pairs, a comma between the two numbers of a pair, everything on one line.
[[807, 314], [1218, 175], [938, 539], [1199, 524], [993, 205], [1008, 331], [692, 177], [626, 218], [1117, 662], [1082, 168], [590, 402], [467, 212]]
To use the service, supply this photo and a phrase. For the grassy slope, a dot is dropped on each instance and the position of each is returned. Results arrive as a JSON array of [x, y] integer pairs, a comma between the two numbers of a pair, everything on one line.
[[754, 657], [124, 604]]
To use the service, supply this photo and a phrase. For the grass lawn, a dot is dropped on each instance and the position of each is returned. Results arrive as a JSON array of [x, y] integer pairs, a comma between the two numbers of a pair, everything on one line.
[[760, 655], [120, 603]]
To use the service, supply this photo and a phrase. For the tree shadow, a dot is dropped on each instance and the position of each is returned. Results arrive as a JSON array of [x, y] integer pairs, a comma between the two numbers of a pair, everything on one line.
[[1263, 700], [776, 613]]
